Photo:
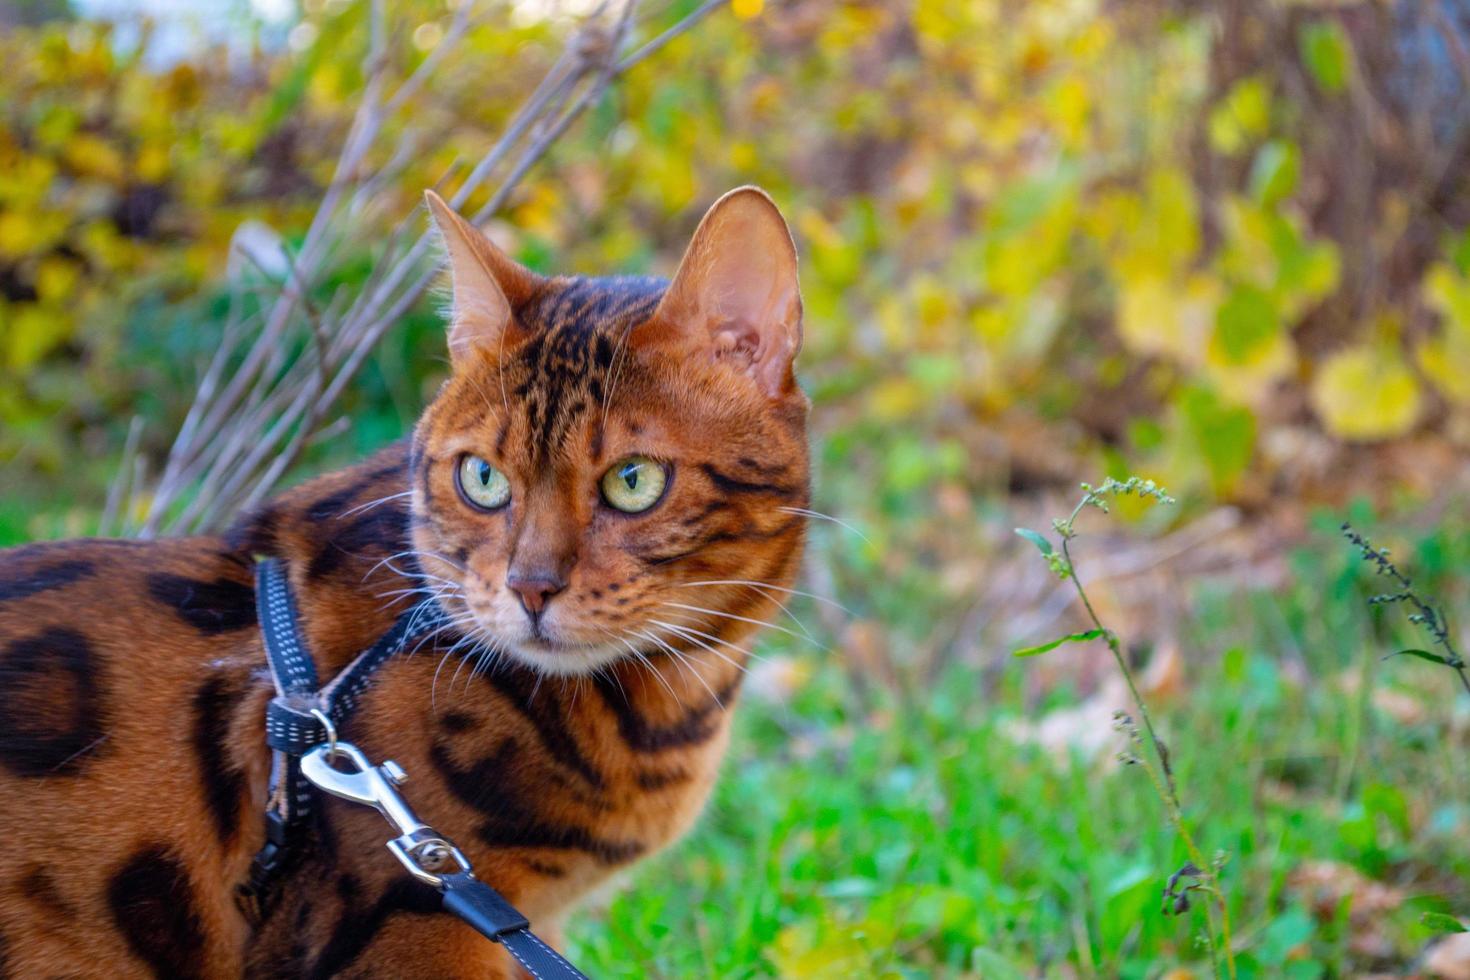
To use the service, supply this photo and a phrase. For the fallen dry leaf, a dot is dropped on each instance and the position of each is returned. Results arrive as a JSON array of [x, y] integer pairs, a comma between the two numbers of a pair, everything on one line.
[[1449, 958], [1323, 885]]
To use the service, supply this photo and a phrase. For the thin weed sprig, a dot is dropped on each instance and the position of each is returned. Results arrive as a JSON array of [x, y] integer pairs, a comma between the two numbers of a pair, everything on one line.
[[1425, 613], [1147, 749]]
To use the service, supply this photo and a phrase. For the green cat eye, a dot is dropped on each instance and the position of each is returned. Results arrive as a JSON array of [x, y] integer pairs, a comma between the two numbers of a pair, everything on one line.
[[634, 484], [482, 484]]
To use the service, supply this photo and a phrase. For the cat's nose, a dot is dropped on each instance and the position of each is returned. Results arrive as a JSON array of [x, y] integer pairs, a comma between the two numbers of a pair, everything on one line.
[[534, 591]]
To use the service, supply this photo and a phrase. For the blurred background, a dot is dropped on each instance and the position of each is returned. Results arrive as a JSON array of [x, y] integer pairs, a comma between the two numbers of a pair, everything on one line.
[[1222, 245]]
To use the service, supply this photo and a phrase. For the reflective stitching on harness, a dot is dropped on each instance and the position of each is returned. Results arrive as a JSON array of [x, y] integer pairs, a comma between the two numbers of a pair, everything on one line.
[[292, 731]]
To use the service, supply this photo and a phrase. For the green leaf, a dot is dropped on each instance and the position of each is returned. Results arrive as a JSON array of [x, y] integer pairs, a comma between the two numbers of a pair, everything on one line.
[[1422, 655], [1223, 434], [1275, 171], [1440, 922], [1245, 323], [1042, 545], [1328, 54], [1047, 647]]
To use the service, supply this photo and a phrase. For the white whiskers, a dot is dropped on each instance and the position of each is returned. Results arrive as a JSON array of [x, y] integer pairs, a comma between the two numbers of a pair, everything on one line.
[[374, 503], [642, 658], [418, 554], [743, 619], [688, 635], [683, 661], [826, 517], [761, 586]]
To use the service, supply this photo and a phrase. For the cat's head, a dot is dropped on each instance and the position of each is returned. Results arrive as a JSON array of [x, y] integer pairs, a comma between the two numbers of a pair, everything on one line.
[[615, 465]]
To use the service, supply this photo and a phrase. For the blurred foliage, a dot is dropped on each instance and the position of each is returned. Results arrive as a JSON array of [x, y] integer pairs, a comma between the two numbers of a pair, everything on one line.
[[1221, 244], [1189, 237]]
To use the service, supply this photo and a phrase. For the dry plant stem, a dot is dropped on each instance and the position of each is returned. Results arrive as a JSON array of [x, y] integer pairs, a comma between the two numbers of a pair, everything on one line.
[[269, 390], [1158, 767], [1424, 614]]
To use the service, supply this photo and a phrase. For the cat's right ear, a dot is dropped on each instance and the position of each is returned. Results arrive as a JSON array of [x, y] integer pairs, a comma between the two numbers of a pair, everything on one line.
[[487, 284]]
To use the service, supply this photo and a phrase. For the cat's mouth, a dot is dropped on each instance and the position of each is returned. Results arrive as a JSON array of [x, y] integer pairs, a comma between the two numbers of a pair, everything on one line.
[[552, 656], [549, 647], [546, 643], [542, 644]]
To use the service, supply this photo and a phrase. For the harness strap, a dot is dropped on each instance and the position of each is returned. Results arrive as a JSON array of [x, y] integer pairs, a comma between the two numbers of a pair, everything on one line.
[[293, 722], [304, 715]]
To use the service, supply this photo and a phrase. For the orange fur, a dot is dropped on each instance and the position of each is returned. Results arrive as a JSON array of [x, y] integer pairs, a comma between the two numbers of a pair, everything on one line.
[[553, 749]]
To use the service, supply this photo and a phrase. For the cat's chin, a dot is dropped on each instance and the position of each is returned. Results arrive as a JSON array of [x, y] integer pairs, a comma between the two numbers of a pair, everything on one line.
[[565, 660]]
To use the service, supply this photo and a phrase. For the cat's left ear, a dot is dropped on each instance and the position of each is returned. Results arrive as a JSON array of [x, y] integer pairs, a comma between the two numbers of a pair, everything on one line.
[[736, 293], [488, 284]]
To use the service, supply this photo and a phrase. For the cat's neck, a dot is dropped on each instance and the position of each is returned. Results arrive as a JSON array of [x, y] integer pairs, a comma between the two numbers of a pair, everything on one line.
[[344, 538]]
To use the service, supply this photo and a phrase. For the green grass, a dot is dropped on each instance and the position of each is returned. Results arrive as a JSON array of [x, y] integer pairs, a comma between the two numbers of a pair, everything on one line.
[[930, 844], [925, 842]]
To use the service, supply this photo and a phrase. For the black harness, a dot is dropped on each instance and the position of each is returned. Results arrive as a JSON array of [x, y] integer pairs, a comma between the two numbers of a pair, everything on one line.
[[302, 721]]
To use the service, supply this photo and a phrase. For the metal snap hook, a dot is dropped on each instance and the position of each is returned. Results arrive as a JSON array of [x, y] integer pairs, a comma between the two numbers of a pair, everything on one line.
[[419, 847], [321, 716]]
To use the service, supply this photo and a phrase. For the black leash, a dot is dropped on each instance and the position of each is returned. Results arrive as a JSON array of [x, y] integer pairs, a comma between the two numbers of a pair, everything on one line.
[[301, 730]]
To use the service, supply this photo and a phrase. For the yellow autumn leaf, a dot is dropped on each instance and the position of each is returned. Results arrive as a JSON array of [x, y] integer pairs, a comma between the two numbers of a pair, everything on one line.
[[1446, 361], [897, 398], [103, 245], [1248, 255], [95, 157], [1250, 381], [25, 180], [1070, 105], [801, 956], [28, 233], [1366, 393], [34, 330], [1448, 293], [1445, 358], [1017, 332], [152, 163], [1242, 116], [1159, 316], [538, 213], [1172, 214], [1152, 234], [893, 318], [934, 303], [56, 278], [1016, 264], [743, 155]]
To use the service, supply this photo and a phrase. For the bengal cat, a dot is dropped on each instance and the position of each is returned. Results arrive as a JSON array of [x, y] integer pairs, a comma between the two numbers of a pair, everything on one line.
[[610, 465]]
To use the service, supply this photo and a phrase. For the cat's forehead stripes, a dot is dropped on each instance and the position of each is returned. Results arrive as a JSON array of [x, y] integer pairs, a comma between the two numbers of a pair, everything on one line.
[[566, 369]]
